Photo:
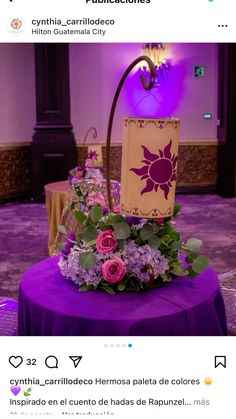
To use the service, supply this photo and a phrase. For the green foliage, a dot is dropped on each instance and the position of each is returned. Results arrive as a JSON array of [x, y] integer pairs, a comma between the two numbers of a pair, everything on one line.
[[158, 235], [178, 270], [121, 244], [106, 287], [96, 213], [166, 239], [79, 215], [61, 229], [87, 288], [193, 244], [200, 264], [177, 209], [154, 242], [102, 226], [78, 191], [121, 286], [121, 230], [116, 219], [91, 243], [73, 205], [134, 284], [191, 273], [147, 231], [165, 277], [87, 259], [176, 245], [89, 234]]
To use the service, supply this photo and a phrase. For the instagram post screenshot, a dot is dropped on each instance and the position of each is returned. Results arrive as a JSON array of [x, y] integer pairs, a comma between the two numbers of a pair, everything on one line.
[[118, 208]]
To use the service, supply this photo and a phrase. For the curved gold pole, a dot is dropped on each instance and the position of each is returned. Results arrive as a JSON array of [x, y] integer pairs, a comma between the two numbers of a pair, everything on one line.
[[147, 86]]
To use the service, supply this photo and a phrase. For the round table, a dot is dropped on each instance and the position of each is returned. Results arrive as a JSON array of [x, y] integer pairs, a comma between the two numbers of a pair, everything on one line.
[[51, 305], [56, 196]]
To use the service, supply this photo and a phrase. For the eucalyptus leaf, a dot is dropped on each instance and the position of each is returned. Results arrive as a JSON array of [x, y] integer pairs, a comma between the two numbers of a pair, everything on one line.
[[156, 228], [179, 271], [121, 230], [166, 239], [79, 215], [176, 245], [87, 259], [107, 288], [96, 213], [200, 264], [61, 229], [91, 243], [85, 288], [193, 244], [89, 234], [73, 205], [102, 226], [121, 286], [116, 219], [121, 244], [146, 231], [154, 242], [60, 246], [78, 191], [87, 222], [165, 277], [191, 273], [177, 209]]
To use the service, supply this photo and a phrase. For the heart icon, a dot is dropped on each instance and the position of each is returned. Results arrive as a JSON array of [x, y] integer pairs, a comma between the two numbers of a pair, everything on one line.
[[15, 390], [16, 361]]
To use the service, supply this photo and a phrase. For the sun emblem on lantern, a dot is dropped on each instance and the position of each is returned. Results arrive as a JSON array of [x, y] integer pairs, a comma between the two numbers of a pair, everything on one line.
[[159, 170]]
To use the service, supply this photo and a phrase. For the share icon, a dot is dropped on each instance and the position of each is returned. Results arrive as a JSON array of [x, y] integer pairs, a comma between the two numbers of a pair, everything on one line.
[[76, 360]]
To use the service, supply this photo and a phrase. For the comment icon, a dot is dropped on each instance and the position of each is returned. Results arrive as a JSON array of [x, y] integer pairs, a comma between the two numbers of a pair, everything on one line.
[[51, 362]]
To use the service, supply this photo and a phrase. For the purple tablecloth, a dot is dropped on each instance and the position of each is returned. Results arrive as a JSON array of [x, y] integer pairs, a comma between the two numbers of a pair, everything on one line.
[[49, 305]]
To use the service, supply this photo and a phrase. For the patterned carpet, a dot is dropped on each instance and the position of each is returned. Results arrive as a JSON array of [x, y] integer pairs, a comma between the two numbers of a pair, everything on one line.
[[23, 232]]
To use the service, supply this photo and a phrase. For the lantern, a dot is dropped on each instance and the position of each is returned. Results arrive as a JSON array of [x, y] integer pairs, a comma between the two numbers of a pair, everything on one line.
[[149, 166]]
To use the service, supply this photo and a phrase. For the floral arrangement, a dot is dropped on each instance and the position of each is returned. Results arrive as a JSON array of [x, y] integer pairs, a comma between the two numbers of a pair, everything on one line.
[[114, 252], [90, 171]]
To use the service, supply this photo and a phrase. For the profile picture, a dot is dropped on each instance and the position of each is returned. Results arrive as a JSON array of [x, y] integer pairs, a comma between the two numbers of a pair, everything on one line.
[[16, 24]]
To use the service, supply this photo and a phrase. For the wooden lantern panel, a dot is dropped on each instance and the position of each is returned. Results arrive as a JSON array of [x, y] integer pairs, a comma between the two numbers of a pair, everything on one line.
[[149, 166]]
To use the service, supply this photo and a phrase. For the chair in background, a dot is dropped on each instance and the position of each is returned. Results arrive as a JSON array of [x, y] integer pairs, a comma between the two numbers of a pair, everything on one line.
[[8, 317], [228, 286]]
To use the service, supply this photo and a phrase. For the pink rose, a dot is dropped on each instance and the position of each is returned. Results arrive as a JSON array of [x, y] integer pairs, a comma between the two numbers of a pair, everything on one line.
[[159, 221], [114, 270], [79, 174], [106, 242], [116, 210]]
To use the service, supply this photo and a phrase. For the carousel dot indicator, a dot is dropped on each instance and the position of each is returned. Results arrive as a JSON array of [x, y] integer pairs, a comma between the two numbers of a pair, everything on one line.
[[130, 345]]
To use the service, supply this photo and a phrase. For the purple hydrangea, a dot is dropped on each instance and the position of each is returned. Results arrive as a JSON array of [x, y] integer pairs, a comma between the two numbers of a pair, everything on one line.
[[71, 269], [136, 257]]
